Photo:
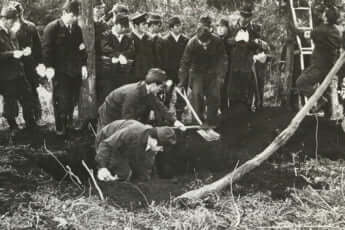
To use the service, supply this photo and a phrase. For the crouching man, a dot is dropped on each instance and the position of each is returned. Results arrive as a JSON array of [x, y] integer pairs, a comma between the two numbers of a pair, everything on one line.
[[128, 147]]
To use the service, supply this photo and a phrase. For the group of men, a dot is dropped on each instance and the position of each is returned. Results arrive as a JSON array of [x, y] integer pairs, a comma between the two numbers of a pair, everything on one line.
[[137, 70]]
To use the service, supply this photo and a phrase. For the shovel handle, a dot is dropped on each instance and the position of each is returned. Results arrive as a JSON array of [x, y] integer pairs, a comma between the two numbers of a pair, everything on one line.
[[189, 105]]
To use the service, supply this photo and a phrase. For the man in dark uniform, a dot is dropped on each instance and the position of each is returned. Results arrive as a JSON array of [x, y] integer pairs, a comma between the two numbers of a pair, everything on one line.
[[144, 58], [28, 38], [171, 50], [64, 54], [154, 24], [126, 147], [117, 50], [245, 41], [135, 101], [13, 84], [327, 40], [205, 62]]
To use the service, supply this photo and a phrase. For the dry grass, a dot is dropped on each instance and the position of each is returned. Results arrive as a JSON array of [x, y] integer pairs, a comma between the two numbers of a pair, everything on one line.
[[60, 205]]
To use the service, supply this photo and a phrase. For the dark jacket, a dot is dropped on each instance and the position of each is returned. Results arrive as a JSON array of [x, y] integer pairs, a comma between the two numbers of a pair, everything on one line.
[[112, 47], [156, 45], [171, 53], [100, 28], [62, 50], [131, 101], [327, 40], [121, 147], [27, 36], [202, 61], [242, 52], [144, 58], [11, 68]]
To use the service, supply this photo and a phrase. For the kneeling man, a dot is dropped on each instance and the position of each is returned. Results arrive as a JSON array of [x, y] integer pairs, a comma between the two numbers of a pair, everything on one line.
[[126, 147]]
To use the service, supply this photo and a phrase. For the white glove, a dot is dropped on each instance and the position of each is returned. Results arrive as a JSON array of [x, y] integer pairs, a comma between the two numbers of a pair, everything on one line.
[[114, 60], [103, 174], [84, 73], [27, 51], [178, 124], [123, 60], [17, 54], [41, 70], [242, 36], [50, 73]]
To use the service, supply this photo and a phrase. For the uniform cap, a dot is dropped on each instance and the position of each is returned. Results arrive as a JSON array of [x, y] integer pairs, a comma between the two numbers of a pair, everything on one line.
[[120, 9], [154, 18], [173, 21], [139, 18]]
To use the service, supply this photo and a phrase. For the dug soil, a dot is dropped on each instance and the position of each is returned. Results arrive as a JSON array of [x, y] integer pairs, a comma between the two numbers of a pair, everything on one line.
[[190, 163]]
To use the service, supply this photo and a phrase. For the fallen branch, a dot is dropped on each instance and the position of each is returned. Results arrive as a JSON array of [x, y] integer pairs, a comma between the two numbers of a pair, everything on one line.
[[90, 171], [279, 141]]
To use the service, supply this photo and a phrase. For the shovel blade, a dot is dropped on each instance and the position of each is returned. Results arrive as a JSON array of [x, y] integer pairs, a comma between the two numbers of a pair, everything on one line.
[[209, 134]]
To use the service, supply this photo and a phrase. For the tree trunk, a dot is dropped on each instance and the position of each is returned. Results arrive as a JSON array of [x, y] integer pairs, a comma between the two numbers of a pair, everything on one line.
[[279, 141], [87, 103]]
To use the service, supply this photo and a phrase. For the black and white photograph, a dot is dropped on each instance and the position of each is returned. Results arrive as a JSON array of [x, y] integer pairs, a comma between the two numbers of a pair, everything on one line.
[[172, 114]]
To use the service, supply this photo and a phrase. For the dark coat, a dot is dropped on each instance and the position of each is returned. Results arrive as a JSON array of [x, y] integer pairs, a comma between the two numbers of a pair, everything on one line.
[[144, 58], [212, 61], [100, 28], [11, 68], [171, 53], [242, 52], [27, 36], [131, 101], [121, 148], [63, 50], [156, 46], [112, 47], [327, 40]]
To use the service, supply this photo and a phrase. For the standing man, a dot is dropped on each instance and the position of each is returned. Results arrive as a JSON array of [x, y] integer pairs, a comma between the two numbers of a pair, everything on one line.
[[171, 49], [28, 38], [144, 58], [327, 42], [245, 41], [204, 63], [65, 57], [154, 23], [136, 100], [13, 83], [117, 49]]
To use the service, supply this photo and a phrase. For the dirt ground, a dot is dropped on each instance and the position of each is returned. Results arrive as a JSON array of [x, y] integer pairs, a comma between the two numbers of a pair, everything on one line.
[[190, 164]]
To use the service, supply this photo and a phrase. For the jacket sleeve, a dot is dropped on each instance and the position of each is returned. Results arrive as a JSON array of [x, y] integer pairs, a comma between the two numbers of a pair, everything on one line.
[[158, 106], [222, 67], [5, 55], [185, 64], [48, 45]]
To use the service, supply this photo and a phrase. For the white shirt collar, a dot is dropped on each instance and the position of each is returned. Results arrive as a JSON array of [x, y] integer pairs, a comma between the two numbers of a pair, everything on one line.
[[176, 37], [118, 36]]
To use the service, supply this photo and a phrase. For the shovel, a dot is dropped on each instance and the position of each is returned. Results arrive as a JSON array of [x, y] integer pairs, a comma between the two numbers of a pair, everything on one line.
[[205, 132]]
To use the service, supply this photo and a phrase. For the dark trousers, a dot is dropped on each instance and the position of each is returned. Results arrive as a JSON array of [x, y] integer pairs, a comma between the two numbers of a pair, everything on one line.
[[241, 86], [15, 91], [66, 90], [224, 95], [33, 81], [206, 93]]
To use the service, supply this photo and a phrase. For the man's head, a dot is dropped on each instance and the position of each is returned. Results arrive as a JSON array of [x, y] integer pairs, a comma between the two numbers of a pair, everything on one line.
[[223, 27], [175, 25], [155, 80], [331, 16], [246, 13], [9, 17], [120, 24], [204, 29], [70, 11], [154, 22], [138, 22], [18, 6], [98, 9], [159, 137]]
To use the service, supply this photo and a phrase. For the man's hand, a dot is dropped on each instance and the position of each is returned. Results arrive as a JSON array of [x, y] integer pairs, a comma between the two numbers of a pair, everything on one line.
[[17, 54], [178, 124], [50, 73], [114, 60], [103, 174], [41, 70], [27, 51], [123, 60], [84, 72]]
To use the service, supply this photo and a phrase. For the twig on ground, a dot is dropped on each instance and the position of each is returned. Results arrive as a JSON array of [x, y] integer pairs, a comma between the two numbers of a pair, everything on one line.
[[74, 178], [90, 171], [238, 217], [323, 200]]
